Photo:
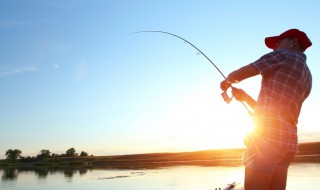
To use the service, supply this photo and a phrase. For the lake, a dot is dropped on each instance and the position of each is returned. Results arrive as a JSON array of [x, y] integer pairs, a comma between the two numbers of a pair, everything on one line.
[[304, 176]]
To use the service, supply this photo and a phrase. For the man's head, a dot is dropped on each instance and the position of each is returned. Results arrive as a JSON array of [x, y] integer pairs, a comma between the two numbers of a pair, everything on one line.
[[292, 39]]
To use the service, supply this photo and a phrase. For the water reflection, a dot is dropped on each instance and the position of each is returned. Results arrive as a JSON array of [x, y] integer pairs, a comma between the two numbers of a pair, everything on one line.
[[150, 176], [42, 172], [9, 173]]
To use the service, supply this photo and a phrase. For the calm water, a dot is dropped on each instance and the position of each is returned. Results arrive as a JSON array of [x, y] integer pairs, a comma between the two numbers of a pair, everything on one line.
[[301, 176]]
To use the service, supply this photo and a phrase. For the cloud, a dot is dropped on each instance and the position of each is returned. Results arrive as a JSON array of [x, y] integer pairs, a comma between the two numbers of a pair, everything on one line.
[[17, 70]]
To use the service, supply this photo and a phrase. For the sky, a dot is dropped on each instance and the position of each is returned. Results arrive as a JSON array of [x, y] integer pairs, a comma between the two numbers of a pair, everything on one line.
[[72, 74]]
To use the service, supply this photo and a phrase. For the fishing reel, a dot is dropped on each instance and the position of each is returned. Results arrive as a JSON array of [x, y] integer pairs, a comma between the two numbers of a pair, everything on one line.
[[226, 97]]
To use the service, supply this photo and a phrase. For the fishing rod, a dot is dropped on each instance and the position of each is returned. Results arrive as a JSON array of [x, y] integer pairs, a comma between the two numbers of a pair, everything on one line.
[[225, 96], [189, 44]]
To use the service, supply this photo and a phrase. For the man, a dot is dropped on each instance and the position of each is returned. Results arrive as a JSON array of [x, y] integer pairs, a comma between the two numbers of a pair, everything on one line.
[[286, 83]]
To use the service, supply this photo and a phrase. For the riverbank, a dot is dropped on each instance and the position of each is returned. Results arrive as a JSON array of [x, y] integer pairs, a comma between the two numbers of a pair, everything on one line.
[[308, 152]]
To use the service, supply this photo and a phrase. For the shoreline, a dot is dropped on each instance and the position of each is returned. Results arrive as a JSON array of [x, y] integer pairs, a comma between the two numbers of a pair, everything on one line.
[[308, 152]]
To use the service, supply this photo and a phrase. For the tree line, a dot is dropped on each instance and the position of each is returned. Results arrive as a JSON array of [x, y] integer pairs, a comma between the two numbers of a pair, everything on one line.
[[15, 154]]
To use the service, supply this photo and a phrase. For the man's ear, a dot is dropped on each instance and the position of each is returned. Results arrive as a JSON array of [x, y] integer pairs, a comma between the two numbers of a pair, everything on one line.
[[294, 42]]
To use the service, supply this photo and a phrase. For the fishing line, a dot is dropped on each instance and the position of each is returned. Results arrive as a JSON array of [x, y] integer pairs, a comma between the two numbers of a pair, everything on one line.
[[158, 31], [226, 98]]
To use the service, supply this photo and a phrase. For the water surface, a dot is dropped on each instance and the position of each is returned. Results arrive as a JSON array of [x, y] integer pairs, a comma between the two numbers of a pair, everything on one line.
[[301, 176]]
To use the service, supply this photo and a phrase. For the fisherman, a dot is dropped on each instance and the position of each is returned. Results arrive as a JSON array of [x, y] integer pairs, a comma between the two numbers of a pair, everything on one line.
[[286, 83]]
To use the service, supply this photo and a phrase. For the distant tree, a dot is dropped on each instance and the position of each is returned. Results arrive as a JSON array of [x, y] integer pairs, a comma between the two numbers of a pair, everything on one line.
[[44, 154], [71, 152], [13, 154], [27, 159], [83, 153], [54, 155]]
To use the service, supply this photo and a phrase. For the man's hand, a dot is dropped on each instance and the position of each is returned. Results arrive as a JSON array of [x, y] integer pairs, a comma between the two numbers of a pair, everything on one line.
[[224, 85], [239, 94], [242, 96]]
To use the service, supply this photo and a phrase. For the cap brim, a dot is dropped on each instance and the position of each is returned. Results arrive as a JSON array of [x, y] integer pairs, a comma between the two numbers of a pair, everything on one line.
[[271, 42]]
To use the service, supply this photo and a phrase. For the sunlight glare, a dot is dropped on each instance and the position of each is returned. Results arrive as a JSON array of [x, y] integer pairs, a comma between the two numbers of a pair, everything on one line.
[[194, 123]]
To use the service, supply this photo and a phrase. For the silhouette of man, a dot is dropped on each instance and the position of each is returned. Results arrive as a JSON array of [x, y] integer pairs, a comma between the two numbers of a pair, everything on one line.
[[286, 83]]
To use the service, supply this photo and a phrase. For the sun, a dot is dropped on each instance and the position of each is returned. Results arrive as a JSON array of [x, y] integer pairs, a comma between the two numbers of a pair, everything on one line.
[[199, 120], [227, 131], [197, 125]]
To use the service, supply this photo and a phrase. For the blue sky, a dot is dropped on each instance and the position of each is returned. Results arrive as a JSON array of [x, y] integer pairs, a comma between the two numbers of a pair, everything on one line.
[[72, 75]]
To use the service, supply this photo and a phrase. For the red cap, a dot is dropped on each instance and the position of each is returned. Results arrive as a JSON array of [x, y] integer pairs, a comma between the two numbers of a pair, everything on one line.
[[305, 42]]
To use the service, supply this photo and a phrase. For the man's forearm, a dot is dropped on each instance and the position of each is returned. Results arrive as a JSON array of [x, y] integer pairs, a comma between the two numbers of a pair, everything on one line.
[[250, 101], [242, 73]]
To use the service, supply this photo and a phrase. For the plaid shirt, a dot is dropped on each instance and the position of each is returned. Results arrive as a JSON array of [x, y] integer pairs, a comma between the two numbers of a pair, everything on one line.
[[286, 83]]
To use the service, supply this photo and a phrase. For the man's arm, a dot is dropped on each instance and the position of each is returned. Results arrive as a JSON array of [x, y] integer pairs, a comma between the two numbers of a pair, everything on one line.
[[242, 73], [239, 75]]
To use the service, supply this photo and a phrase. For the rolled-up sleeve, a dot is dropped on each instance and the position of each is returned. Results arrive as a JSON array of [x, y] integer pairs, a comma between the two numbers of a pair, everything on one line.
[[270, 61]]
